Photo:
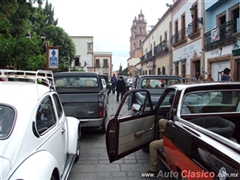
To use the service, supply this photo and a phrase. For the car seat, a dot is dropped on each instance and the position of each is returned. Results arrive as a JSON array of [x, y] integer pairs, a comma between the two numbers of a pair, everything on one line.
[[59, 83], [216, 124]]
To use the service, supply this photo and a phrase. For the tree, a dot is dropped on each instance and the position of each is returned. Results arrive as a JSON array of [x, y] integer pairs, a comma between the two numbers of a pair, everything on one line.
[[125, 72], [58, 37], [18, 17]]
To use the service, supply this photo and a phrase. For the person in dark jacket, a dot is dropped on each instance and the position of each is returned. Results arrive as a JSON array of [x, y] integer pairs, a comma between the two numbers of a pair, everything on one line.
[[120, 87]]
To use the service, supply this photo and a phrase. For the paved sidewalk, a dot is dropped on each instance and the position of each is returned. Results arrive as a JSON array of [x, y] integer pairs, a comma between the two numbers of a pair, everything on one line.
[[94, 164]]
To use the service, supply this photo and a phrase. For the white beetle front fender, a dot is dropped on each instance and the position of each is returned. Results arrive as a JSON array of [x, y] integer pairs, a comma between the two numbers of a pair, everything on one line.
[[73, 134], [39, 165]]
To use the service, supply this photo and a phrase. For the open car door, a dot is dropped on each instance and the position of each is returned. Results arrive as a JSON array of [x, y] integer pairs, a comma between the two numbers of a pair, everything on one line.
[[131, 129]]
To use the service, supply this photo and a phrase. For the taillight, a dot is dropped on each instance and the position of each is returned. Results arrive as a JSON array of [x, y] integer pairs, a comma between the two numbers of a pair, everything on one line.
[[100, 110]]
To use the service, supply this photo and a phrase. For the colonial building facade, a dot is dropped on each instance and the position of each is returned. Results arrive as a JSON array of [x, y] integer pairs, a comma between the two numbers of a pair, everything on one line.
[[157, 57], [88, 60], [138, 34], [194, 36], [103, 63]]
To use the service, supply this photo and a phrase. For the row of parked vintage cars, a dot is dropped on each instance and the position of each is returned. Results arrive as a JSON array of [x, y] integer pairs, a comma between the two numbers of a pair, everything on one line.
[[40, 127]]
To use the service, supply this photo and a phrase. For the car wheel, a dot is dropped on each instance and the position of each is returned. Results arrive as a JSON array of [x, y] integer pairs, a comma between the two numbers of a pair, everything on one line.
[[103, 128], [78, 145]]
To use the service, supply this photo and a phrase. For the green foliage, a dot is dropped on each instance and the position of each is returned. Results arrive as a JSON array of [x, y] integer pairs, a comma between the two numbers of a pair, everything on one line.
[[125, 72], [58, 37], [18, 17]]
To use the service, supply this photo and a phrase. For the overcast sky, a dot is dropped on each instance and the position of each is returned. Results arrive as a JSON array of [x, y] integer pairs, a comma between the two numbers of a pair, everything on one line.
[[108, 21]]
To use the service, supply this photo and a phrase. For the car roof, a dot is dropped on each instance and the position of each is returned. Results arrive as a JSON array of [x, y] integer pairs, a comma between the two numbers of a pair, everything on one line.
[[73, 73], [159, 76], [208, 85], [26, 93]]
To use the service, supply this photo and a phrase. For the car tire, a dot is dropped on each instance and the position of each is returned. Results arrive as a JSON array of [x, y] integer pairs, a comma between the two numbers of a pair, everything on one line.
[[103, 127], [78, 145]]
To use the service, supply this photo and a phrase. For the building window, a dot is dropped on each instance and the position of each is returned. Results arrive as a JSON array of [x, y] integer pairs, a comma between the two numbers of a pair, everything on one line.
[[97, 63], [165, 36], [90, 48], [105, 63], [77, 62], [163, 70], [159, 71]]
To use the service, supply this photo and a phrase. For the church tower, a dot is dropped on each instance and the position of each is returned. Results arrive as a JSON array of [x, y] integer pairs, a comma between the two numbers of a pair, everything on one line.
[[138, 33]]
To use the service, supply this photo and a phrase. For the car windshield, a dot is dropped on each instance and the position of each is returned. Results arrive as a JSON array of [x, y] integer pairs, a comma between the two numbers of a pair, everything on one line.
[[7, 115], [159, 83], [220, 101], [72, 81]]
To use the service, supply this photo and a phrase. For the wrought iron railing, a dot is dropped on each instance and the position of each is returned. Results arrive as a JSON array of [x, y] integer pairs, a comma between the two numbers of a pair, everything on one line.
[[143, 57], [220, 34], [149, 54], [192, 28], [179, 36], [97, 65], [158, 48]]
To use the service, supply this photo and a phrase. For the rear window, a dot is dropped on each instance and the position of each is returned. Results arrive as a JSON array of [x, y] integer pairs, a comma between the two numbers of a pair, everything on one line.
[[7, 115], [159, 83], [72, 81], [220, 101]]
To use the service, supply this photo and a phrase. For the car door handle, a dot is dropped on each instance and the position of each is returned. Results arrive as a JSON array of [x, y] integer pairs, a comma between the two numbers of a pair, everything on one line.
[[139, 133], [63, 130]]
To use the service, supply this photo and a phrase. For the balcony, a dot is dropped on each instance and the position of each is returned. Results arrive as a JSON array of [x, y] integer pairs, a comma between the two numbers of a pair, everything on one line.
[[179, 38], [193, 30], [160, 49], [97, 65], [220, 36], [149, 54], [143, 58], [105, 66]]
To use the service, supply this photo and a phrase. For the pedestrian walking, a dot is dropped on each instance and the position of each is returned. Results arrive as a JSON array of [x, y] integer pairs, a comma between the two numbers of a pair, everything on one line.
[[226, 76], [209, 78], [226, 95], [200, 79], [197, 74], [120, 87], [113, 81]]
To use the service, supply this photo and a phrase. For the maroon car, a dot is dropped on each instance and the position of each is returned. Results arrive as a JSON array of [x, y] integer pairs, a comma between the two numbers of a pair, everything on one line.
[[202, 135]]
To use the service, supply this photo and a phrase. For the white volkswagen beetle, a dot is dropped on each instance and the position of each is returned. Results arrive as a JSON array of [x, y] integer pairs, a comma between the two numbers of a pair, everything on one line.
[[37, 140]]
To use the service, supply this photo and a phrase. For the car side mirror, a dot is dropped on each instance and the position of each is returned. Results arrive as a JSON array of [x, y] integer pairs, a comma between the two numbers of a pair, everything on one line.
[[136, 107]]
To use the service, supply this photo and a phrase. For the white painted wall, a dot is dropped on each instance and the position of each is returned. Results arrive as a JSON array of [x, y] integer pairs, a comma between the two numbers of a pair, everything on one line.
[[81, 44], [187, 52], [154, 35]]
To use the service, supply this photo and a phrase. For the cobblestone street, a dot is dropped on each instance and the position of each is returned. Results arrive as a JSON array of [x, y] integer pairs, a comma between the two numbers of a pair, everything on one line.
[[94, 164]]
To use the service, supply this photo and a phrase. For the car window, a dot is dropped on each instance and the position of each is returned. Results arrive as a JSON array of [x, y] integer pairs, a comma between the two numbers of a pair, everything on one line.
[[58, 105], [165, 105], [45, 118], [73, 81], [7, 116], [159, 83], [220, 101], [133, 108]]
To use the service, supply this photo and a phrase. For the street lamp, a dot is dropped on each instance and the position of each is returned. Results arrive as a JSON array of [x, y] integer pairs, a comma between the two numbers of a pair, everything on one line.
[[43, 37], [28, 36], [193, 10]]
